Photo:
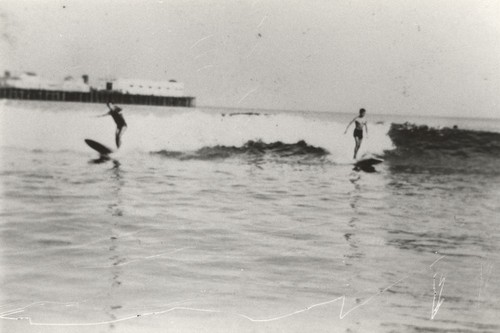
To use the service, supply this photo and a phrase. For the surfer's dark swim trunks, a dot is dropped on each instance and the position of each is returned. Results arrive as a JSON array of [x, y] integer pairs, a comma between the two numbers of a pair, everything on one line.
[[118, 118], [358, 133]]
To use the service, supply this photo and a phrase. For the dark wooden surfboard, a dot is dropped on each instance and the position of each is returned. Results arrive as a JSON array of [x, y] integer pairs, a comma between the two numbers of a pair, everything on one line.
[[100, 148], [368, 162]]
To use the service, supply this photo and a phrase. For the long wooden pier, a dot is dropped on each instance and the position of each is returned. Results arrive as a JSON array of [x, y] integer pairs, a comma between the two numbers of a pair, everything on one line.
[[94, 96]]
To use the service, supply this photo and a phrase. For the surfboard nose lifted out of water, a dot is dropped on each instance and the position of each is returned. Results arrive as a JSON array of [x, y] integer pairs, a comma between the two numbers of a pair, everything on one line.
[[101, 149]]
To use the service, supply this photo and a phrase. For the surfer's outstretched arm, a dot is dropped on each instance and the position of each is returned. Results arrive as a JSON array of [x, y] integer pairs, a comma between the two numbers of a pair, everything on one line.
[[349, 125], [111, 109], [104, 115]]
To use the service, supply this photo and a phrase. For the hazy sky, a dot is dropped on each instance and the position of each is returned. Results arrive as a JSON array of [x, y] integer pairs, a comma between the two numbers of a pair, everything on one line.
[[429, 57]]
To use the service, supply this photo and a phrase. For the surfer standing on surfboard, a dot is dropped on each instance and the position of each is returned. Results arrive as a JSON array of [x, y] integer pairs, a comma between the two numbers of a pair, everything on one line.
[[121, 125], [359, 122]]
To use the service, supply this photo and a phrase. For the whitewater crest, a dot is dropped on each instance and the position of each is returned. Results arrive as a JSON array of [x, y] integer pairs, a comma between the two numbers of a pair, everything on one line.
[[201, 133]]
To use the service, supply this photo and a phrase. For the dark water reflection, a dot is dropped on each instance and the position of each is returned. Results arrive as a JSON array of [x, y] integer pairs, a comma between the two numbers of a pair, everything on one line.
[[115, 208]]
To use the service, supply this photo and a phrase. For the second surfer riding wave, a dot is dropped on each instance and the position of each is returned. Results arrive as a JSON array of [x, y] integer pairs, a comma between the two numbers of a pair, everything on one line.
[[358, 130]]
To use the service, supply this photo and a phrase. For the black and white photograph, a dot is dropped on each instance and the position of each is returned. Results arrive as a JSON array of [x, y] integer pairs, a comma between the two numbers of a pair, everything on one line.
[[253, 166]]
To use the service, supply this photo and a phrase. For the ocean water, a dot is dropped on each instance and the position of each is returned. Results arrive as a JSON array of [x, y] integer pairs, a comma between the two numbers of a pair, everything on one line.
[[225, 220]]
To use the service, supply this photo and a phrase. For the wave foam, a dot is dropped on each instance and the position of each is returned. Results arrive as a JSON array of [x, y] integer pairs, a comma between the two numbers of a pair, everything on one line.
[[48, 127]]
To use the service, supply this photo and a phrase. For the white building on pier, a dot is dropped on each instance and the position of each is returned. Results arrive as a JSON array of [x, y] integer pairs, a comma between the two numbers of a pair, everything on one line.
[[170, 88], [30, 80]]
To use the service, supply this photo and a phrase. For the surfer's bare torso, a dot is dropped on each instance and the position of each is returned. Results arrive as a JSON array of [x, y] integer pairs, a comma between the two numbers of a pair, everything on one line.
[[359, 123], [118, 117]]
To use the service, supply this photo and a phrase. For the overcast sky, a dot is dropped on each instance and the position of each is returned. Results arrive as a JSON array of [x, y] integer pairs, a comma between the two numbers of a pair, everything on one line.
[[428, 57]]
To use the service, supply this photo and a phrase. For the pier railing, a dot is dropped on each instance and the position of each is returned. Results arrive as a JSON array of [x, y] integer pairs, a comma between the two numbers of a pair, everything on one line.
[[94, 96]]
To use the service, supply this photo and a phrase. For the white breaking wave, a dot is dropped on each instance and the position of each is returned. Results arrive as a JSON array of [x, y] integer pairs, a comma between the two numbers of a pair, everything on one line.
[[64, 126]]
